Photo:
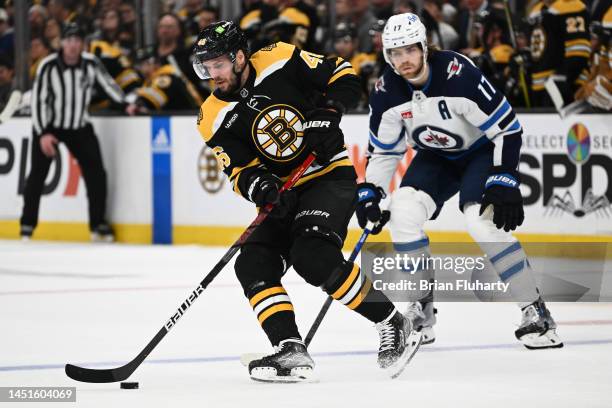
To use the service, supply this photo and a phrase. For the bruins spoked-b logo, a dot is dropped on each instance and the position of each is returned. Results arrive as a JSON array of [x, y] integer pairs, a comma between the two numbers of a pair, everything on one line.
[[278, 132]]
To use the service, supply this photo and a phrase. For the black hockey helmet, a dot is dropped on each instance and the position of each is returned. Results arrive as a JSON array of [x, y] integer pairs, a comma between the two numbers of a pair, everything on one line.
[[73, 30], [345, 31], [215, 40]]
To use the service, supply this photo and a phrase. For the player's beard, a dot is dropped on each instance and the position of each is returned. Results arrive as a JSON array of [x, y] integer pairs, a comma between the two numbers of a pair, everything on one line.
[[233, 83], [231, 87]]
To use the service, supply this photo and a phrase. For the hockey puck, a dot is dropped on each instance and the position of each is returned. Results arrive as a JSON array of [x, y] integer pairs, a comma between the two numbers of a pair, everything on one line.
[[129, 385]]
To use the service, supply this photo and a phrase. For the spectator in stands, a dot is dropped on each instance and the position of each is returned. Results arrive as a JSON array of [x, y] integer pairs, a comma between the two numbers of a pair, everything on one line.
[[597, 89], [346, 46], [39, 49], [188, 14], [363, 19], [165, 88], [53, 33], [170, 49], [440, 33], [382, 9], [343, 10], [127, 34], [205, 17], [467, 25], [170, 45], [560, 48], [7, 42], [7, 84], [494, 58], [58, 9], [405, 6], [110, 26], [36, 17], [375, 32], [289, 21], [106, 46]]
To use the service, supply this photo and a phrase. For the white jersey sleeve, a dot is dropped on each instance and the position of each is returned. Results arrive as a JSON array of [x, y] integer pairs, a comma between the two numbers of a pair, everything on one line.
[[387, 137]]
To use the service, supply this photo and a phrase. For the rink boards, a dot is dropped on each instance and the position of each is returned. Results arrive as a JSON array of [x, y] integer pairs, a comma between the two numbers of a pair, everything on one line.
[[165, 187]]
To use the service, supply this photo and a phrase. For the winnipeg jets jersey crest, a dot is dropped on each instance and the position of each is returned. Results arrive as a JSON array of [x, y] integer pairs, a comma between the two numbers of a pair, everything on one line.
[[455, 112]]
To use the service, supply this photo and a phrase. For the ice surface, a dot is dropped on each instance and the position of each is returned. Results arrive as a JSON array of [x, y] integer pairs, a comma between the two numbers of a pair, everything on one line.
[[100, 304]]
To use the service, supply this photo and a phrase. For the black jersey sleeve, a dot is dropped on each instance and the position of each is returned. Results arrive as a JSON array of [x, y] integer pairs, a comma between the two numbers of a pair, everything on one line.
[[334, 77], [234, 156]]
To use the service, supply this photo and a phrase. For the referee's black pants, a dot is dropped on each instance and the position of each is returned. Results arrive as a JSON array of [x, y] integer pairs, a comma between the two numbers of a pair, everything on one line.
[[84, 146]]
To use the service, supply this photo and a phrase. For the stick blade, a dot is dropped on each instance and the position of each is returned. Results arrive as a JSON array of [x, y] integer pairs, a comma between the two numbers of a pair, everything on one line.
[[92, 375]]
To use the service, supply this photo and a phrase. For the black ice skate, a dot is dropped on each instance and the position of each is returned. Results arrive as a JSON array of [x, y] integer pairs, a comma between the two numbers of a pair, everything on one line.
[[398, 343], [290, 364], [538, 329], [102, 233], [422, 315]]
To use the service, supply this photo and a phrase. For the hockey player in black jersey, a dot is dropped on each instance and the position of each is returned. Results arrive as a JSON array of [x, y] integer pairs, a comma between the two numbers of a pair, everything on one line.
[[468, 141], [269, 111]]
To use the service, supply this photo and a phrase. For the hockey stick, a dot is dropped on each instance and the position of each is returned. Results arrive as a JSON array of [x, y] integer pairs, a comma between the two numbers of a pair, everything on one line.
[[246, 358], [557, 99], [92, 375], [11, 106], [521, 63], [328, 301]]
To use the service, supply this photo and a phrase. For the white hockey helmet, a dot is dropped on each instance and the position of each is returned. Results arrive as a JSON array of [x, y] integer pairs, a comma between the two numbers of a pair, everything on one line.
[[402, 30]]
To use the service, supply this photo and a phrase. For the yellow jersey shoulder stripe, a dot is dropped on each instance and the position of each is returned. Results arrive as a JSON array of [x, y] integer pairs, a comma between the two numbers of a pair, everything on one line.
[[349, 70], [212, 113], [607, 19], [294, 16], [250, 19], [106, 49], [167, 69], [537, 9], [270, 59], [567, 7]]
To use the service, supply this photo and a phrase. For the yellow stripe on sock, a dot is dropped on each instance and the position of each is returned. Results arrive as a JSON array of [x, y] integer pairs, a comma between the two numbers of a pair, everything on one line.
[[361, 295], [342, 290], [265, 293], [274, 309]]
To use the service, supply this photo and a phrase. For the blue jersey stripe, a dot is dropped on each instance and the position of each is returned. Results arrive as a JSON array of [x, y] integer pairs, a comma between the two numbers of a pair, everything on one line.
[[495, 117], [385, 146]]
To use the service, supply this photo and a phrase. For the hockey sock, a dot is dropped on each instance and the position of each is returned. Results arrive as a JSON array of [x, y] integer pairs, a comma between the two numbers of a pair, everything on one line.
[[415, 257], [274, 311], [512, 266], [351, 288]]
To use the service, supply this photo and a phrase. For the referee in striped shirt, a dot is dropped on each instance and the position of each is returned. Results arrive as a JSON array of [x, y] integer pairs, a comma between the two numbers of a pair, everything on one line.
[[60, 99]]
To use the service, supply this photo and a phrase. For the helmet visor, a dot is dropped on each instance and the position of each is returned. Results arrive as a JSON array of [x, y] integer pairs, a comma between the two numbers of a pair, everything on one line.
[[210, 68]]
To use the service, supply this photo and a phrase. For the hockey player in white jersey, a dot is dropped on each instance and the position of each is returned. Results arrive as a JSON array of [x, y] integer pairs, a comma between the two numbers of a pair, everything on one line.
[[468, 140]]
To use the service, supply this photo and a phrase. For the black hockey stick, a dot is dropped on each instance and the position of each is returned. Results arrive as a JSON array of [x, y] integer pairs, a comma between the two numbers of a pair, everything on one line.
[[92, 375], [328, 301]]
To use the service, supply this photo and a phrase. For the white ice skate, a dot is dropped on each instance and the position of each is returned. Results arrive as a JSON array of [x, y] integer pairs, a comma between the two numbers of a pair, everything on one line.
[[398, 343], [538, 329], [423, 317], [291, 363]]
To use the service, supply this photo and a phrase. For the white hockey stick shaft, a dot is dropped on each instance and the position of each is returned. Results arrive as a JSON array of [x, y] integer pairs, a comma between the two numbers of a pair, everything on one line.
[[11, 106]]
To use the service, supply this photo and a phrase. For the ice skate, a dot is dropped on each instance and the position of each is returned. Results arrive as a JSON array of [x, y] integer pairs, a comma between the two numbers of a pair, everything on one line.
[[538, 329], [290, 363], [103, 233], [398, 343], [422, 315]]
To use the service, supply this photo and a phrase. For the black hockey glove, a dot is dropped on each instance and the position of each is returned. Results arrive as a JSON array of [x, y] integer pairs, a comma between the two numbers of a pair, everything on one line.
[[502, 191], [368, 200], [264, 189], [323, 134]]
